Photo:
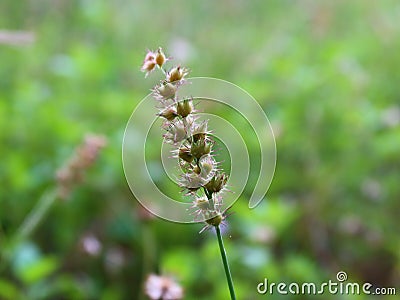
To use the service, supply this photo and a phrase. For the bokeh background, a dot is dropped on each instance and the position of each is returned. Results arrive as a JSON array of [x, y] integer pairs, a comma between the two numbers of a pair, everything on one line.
[[325, 72]]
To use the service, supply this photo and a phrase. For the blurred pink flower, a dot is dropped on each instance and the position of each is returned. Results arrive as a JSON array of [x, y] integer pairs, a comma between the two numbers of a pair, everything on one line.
[[162, 287], [84, 156]]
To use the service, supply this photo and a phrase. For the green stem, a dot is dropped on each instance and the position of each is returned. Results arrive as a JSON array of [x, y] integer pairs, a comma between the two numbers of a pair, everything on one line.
[[36, 215], [210, 199], [225, 262], [30, 223]]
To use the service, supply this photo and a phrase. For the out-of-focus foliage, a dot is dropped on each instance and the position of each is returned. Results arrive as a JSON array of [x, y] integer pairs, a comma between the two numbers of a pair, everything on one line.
[[325, 72]]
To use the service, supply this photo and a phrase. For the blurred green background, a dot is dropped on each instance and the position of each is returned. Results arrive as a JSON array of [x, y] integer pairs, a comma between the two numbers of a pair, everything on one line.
[[325, 72]]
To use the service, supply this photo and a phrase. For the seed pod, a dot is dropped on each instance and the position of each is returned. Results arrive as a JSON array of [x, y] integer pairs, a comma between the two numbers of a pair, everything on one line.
[[216, 184], [148, 66], [184, 108], [149, 63], [176, 74], [184, 153], [206, 168], [200, 148], [165, 91], [168, 113], [215, 221], [199, 131], [176, 133], [202, 203], [200, 174], [160, 57]]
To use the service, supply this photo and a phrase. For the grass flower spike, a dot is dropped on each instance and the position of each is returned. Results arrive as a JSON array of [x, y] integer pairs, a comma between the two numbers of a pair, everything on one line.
[[201, 177]]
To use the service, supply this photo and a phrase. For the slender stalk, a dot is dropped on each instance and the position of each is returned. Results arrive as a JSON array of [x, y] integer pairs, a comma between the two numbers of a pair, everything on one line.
[[30, 223], [225, 262], [37, 214], [210, 199]]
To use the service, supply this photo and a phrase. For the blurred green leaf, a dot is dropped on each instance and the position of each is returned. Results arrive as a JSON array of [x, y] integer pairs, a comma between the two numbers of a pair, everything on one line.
[[30, 266], [8, 291]]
